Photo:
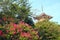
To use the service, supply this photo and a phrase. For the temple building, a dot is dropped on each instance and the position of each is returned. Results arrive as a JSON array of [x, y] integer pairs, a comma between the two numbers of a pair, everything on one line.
[[43, 17]]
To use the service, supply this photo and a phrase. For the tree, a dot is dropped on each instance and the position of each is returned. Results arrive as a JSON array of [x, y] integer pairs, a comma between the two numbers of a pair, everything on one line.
[[48, 30], [29, 21], [10, 8], [24, 9], [15, 9]]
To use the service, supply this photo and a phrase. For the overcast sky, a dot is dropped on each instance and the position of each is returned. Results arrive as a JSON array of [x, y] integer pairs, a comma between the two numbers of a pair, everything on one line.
[[50, 7]]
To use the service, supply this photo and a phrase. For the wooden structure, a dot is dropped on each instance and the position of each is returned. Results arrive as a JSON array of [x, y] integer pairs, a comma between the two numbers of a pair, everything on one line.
[[43, 17]]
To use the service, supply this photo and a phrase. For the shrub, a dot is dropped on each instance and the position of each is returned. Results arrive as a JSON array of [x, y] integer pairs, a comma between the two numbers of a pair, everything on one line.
[[20, 31], [48, 30]]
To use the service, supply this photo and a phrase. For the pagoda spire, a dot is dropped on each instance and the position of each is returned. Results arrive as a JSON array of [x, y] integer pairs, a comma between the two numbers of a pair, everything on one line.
[[42, 8], [43, 16]]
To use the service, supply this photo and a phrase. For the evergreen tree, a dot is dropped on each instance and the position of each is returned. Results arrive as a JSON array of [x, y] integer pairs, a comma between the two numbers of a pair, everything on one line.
[[24, 9], [48, 30], [16, 9]]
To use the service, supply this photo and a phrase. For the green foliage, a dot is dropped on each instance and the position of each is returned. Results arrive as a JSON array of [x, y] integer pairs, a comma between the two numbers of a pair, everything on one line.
[[48, 30], [15, 9], [29, 21], [20, 8]]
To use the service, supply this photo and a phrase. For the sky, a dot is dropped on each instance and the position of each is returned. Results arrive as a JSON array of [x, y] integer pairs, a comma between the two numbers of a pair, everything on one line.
[[50, 7]]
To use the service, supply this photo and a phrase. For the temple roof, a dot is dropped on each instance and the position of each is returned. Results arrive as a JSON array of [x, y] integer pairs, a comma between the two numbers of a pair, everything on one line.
[[43, 15]]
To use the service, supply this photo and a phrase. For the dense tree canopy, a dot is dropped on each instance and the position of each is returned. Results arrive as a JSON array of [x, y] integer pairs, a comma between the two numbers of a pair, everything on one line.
[[48, 30], [15, 9]]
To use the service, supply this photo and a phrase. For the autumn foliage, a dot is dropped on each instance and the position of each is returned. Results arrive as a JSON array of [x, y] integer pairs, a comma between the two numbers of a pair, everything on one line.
[[19, 31]]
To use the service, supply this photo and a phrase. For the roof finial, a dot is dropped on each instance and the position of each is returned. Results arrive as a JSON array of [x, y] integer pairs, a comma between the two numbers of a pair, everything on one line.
[[42, 8]]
